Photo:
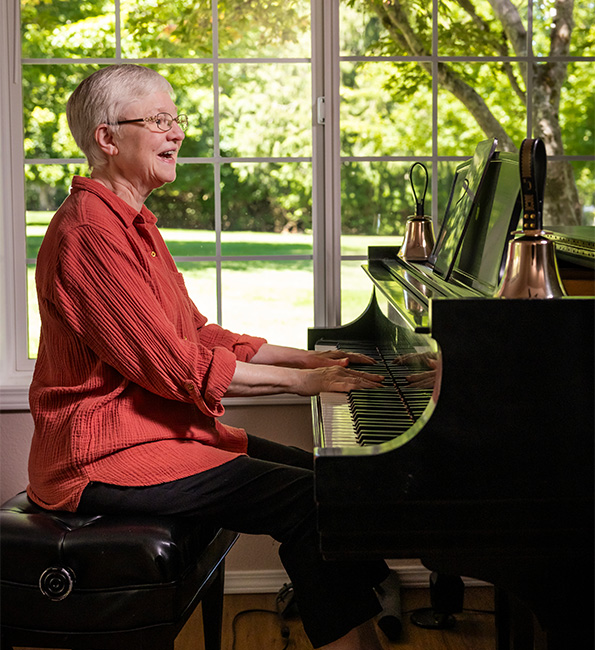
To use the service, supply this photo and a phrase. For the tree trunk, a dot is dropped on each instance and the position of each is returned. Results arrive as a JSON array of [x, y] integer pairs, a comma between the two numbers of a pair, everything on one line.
[[561, 203]]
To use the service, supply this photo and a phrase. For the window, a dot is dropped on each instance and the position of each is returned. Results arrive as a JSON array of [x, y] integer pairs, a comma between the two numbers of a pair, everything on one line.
[[305, 118], [244, 178], [426, 81]]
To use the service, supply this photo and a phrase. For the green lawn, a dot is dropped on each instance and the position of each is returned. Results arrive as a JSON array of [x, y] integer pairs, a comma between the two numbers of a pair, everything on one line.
[[270, 298]]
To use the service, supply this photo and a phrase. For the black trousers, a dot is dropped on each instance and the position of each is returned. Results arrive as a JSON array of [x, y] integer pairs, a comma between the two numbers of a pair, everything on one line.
[[270, 491]]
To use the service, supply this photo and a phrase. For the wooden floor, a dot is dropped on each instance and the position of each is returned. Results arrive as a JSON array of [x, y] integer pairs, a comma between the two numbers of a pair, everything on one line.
[[261, 631]]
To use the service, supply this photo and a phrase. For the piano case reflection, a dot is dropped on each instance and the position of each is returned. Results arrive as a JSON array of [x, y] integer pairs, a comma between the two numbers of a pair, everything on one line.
[[490, 474]]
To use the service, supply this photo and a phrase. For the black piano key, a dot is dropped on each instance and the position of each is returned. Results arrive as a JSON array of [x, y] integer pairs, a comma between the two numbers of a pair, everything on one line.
[[380, 414]]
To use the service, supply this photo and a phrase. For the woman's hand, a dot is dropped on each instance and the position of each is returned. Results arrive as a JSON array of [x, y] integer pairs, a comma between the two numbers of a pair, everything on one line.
[[278, 355], [316, 359], [335, 378], [256, 379]]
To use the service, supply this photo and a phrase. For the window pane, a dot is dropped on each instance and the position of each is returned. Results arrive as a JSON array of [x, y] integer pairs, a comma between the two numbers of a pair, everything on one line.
[[188, 203], [472, 29], [584, 173], [376, 199], [189, 242], [192, 85], [33, 318], [569, 193], [37, 223], [265, 244], [582, 42], [545, 19], [267, 198], [272, 299], [577, 109], [46, 89], [266, 109], [166, 29], [459, 128], [46, 187], [356, 290], [265, 29], [200, 279], [386, 109], [361, 29], [68, 29]]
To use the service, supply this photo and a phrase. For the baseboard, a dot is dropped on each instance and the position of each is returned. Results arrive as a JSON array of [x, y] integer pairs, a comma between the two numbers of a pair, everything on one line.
[[266, 582]]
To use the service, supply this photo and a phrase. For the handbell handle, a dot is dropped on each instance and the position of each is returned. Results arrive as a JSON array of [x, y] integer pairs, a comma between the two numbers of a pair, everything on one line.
[[419, 201], [533, 166]]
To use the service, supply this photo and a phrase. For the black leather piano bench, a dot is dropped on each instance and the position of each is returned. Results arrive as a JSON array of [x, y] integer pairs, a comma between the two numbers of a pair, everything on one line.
[[107, 582]]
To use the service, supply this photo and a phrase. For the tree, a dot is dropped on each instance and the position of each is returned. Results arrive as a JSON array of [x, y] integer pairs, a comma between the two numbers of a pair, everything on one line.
[[494, 94], [503, 33], [271, 197]]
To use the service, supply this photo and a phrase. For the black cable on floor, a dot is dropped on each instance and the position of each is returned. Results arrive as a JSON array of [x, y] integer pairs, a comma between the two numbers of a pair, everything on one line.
[[284, 628]]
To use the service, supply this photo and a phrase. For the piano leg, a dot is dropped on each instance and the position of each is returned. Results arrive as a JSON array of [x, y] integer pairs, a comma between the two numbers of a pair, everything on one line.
[[541, 603], [514, 623]]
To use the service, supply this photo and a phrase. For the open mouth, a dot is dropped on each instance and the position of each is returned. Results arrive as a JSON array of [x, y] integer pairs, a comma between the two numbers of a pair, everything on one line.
[[168, 155]]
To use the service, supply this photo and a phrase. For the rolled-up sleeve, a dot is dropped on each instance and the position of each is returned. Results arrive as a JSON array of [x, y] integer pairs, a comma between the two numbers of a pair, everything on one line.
[[243, 346], [214, 385]]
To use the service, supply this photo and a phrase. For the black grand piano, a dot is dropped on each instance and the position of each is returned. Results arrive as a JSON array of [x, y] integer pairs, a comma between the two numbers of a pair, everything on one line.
[[489, 474]]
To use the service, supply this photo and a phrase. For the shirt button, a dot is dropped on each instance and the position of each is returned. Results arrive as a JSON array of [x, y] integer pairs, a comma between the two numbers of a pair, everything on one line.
[[153, 254], [189, 387]]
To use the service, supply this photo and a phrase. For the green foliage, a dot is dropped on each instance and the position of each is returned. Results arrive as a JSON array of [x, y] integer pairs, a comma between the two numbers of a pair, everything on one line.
[[264, 109], [63, 28]]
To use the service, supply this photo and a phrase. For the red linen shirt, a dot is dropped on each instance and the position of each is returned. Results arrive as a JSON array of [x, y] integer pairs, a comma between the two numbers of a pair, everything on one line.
[[129, 377]]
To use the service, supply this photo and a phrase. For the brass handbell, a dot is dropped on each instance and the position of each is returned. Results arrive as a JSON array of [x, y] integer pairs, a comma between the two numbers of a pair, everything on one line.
[[531, 268], [419, 234]]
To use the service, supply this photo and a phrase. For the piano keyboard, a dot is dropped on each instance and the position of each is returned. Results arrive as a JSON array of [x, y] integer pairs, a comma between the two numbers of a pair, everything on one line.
[[372, 416]]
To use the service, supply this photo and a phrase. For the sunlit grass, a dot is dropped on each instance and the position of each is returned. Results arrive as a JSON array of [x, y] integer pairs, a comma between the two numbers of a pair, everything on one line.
[[266, 297]]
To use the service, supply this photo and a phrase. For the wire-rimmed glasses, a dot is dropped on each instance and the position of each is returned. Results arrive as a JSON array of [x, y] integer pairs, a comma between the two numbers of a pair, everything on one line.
[[163, 121]]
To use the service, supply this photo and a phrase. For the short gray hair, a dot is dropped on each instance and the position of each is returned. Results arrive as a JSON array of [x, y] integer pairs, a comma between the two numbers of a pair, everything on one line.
[[101, 97]]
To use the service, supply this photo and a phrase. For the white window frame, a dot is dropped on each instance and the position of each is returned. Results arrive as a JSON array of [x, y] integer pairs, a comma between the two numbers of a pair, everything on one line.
[[15, 366]]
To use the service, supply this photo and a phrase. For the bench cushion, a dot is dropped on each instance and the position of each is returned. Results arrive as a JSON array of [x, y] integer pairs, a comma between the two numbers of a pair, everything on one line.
[[68, 572]]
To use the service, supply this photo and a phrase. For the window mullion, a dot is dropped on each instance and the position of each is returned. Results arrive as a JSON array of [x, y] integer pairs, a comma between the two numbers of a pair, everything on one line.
[[318, 163], [326, 165]]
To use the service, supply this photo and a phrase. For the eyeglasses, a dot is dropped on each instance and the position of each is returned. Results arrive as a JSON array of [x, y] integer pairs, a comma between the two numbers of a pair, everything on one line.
[[163, 121]]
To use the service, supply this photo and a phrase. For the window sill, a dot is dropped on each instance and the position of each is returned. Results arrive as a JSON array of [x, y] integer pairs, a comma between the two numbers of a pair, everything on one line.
[[16, 398], [266, 400]]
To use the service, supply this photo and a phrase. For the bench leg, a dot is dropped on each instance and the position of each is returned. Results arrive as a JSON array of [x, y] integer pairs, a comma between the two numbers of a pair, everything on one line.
[[212, 611]]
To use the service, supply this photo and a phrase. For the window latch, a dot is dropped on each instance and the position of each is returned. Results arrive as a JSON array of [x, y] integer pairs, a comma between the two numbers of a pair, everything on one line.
[[320, 110]]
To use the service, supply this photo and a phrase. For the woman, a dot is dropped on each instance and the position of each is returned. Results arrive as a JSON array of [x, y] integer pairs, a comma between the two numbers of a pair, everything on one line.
[[128, 383]]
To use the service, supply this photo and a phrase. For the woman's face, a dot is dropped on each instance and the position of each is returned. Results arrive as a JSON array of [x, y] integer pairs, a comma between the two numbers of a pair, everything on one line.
[[145, 157]]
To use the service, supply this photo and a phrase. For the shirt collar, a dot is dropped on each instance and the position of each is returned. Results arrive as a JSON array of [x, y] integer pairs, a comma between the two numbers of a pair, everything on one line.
[[118, 206]]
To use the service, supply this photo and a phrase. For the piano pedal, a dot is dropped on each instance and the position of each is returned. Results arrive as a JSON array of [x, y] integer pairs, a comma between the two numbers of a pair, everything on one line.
[[285, 602], [446, 596]]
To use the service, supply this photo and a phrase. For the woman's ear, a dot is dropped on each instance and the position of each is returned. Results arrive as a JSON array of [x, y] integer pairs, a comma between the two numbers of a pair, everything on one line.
[[105, 140]]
